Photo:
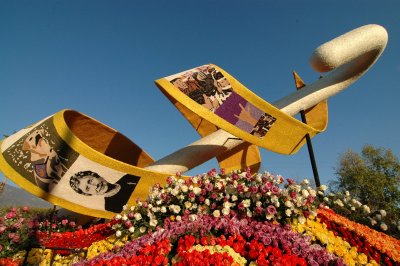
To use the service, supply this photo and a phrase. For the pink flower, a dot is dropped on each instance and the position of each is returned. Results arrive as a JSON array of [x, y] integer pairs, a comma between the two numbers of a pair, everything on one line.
[[64, 222], [192, 195], [254, 189], [290, 181], [209, 187], [25, 209], [11, 235], [235, 176], [1, 247], [16, 238], [271, 209], [10, 215], [17, 225], [264, 189], [275, 190], [2, 229], [31, 224], [72, 224], [128, 224]]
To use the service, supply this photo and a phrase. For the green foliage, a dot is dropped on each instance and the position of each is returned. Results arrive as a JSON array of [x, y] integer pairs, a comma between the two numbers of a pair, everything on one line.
[[373, 178]]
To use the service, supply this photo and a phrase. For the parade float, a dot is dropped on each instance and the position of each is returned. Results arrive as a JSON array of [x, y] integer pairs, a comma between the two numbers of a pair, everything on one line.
[[147, 212]]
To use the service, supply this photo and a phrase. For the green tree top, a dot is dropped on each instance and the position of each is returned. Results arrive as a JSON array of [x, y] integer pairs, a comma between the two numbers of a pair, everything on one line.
[[372, 177]]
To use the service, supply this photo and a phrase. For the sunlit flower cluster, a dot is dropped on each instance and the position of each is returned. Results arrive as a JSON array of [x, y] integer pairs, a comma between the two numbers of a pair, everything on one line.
[[379, 246], [240, 194], [334, 244], [265, 233]]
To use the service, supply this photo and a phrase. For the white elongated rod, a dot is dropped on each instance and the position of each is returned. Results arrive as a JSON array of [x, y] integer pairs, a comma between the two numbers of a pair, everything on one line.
[[348, 57]]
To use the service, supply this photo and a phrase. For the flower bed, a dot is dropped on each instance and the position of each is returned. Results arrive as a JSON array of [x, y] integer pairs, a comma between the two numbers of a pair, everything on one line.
[[210, 219]]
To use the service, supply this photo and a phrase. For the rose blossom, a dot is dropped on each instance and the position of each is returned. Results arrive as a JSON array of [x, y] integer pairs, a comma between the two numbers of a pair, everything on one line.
[[271, 209]]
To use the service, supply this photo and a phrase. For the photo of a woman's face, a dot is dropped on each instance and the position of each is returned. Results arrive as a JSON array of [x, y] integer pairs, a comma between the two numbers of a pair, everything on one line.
[[92, 185]]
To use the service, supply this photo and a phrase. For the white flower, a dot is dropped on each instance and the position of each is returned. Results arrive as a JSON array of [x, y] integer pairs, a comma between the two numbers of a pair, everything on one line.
[[383, 226], [225, 211], [216, 213], [197, 190], [153, 222], [118, 216], [258, 203], [131, 229], [195, 179], [373, 222], [288, 212], [118, 233], [339, 202], [277, 204], [188, 204], [305, 193], [163, 209], [227, 204], [175, 208], [246, 203], [124, 207], [193, 217], [124, 217], [352, 208], [378, 217], [207, 202], [302, 219], [234, 198], [137, 216], [347, 193], [142, 229], [132, 208], [184, 189], [269, 216], [305, 182], [249, 214], [323, 187], [178, 218], [326, 199], [218, 185], [383, 213], [313, 193], [288, 204], [175, 191]]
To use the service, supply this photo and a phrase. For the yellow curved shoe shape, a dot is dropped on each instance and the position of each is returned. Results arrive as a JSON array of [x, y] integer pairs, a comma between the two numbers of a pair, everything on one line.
[[78, 163], [211, 99]]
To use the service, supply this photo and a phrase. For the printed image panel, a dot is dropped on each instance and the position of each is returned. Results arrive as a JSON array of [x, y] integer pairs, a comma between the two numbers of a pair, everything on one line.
[[96, 186], [40, 155], [209, 88]]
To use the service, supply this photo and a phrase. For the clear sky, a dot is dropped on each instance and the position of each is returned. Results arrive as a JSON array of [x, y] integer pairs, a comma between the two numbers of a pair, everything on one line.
[[101, 58]]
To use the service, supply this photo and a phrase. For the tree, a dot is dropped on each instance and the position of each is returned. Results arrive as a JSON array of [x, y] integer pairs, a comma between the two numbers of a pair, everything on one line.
[[372, 177]]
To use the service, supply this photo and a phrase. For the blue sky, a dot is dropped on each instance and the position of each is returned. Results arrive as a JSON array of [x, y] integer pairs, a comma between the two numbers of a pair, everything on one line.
[[101, 58]]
